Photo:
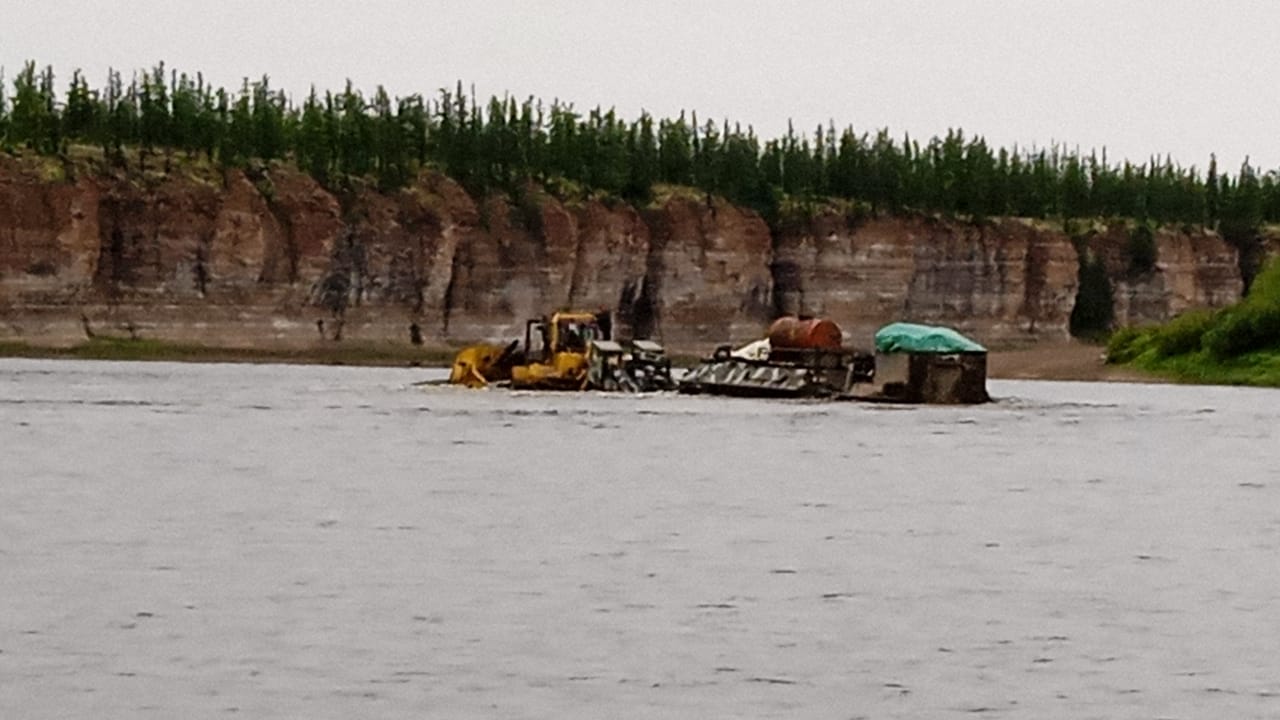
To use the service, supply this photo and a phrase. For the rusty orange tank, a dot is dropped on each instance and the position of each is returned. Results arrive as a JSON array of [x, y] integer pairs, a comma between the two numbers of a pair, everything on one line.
[[793, 333]]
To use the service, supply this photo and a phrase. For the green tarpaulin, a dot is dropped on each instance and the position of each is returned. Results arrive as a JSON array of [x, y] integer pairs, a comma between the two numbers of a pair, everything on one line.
[[909, 337]]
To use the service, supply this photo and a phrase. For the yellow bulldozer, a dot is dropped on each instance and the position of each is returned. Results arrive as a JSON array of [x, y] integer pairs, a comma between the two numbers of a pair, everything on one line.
[[568, 351]]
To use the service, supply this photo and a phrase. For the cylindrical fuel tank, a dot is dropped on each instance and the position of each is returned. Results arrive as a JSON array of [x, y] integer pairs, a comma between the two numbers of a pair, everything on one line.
[[791, 332]]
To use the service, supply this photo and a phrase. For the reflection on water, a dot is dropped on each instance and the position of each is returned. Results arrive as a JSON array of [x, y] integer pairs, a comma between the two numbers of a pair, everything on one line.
[[181, 540]]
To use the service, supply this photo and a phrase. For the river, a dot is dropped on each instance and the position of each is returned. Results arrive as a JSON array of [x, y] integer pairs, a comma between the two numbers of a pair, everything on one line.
[[187, 540]]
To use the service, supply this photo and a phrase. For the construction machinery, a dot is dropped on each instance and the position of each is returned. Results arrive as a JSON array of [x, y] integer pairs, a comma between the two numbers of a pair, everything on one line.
[[476, 365], [570, 350], [800, 357], [805, 358]]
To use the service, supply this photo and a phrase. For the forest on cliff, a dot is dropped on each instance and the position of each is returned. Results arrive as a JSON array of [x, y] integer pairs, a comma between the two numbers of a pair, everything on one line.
[[501, 144]]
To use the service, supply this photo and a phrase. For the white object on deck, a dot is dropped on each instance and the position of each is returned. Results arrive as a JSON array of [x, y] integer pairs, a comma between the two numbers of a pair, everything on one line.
[[758, 350]]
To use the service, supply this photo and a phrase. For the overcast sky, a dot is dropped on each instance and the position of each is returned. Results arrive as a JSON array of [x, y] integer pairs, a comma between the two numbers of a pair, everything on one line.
[[1138, 77]]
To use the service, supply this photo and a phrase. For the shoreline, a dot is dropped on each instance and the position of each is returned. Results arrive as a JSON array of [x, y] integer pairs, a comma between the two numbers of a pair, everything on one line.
[[1059, 361], [141, 350], [1064, 361]]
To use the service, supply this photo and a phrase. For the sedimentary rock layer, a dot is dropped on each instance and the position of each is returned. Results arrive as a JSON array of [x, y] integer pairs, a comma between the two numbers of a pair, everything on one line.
[[267, 256]]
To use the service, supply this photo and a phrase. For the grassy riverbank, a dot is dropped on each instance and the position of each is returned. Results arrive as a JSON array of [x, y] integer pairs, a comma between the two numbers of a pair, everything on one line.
[[1237, 345], [1257, 369]]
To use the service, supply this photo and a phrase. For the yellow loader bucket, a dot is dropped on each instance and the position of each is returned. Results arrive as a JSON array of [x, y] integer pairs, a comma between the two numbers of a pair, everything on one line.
[[477, 365]]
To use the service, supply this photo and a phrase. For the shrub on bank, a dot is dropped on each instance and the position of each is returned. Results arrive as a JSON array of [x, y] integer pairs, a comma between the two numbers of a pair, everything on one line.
[[1253, 323], [1239, 344], [1243, 329], [1126, 344], [1183, 334]]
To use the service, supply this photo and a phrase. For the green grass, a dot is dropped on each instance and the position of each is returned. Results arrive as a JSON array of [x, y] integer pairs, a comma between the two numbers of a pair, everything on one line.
[[1166, 351], [1259, 369], [327, 354], [1237, 345]]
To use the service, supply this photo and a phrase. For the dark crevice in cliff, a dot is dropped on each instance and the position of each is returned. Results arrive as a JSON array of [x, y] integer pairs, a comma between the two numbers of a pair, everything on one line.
[[355, 260], [1093, 308], [343, 286], [646, 309], [291, 253], [787, 275], [424, 232], [449, 300], [787, 297], [274, 254], [419, 289], [1035, 281], [1251, 252], [113, 267], [625, 308], [638, 308], [201, 269], [1036, 276]]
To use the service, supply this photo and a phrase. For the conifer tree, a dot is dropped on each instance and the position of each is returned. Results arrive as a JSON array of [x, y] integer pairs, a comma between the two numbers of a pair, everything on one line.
[[80, 115], [1075, 189], [1271, 197], [675, 151], [643, 169], [312, 148], [355, 136], [391, 158], [118, 121], [268, 121], [501, 144], [1213, 202], [238, 141], [31, 120], [4, 114], [185, 115], [154, 112]]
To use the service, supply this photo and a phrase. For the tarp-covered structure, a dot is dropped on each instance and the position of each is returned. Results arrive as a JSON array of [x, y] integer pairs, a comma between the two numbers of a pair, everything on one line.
[[912, 338]]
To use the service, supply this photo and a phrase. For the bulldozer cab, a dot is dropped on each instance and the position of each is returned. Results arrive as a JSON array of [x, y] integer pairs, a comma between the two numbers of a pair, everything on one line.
[[563, 332]]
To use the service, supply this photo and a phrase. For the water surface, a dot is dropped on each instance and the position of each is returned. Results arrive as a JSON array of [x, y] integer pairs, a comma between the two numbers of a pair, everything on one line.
[[184, 540]]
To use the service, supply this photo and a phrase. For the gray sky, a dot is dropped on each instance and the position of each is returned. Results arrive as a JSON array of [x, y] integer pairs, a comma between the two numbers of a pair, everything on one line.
[[1136, 76]]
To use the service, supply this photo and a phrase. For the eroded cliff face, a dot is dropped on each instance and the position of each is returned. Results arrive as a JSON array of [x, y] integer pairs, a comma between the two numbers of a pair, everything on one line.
[[1193, 269], [269, 257], [1002, 281], [708, 278], [49, 237]]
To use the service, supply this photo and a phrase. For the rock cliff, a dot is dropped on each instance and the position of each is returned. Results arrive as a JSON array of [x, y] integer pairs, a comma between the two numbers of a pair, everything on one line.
[[267, 256], [1001, 281], [1191, 269]]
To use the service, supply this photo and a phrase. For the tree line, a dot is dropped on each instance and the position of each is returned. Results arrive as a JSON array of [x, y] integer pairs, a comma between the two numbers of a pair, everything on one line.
[[500, 144]]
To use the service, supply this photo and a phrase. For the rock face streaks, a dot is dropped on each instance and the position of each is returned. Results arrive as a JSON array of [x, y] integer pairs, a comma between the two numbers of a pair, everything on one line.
[[1001, 281], [268, 256], [1192, 269]]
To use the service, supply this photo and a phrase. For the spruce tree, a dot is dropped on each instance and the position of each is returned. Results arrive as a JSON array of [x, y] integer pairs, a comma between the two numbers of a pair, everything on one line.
[[4, 114], [30, 119], [80, 115], [642, 149], [1213, 199], [675, 151], [312, 148], [498, 146]]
